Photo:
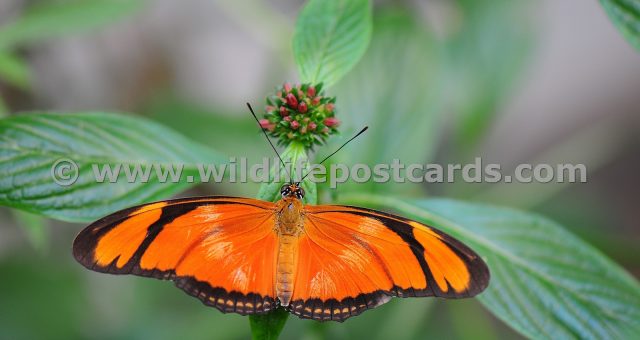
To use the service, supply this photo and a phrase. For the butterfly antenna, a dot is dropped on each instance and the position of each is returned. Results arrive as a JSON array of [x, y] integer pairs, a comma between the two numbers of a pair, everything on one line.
[[340, 148], [269, 140]]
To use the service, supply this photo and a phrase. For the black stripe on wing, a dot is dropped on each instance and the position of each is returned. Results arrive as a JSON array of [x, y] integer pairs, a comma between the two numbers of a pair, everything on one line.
[[478, 270]]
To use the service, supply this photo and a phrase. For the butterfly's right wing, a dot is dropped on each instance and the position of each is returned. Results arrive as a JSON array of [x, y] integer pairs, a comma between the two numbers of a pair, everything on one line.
[[353, 259], [221, 250]]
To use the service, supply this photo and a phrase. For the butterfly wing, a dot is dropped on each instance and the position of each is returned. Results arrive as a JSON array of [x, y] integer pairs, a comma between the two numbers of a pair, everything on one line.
[[353, 259], [221, 250]]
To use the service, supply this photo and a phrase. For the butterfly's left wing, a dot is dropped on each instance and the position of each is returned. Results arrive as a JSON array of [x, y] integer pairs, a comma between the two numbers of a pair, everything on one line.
[[221, 250], [353, 259]]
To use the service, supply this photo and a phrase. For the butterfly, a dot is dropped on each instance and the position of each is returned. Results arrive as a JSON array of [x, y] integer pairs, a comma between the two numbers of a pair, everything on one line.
[[248, 256]]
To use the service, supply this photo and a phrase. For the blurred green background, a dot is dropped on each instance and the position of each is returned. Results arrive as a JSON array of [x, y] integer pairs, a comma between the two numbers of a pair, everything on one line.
[[510, 81]]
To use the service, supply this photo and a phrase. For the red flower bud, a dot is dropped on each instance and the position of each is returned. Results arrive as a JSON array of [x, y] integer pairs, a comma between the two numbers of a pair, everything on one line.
[[292, 101], [329, 107], [302, 107], [270, 108], [325, 130], [287, 87], [287, 118], [316, 100], [300, 94], [311, 91], [312, 126], [279, 94], [303, 130], [283, 111], [265, 124], [331, 121], [295, 124]]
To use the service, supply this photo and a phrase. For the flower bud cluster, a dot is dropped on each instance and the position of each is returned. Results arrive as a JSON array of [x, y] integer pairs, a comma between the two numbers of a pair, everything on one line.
[[300, 113]]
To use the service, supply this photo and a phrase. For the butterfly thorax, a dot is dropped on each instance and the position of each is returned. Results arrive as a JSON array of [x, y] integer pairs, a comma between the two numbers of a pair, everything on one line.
[[289, 216]]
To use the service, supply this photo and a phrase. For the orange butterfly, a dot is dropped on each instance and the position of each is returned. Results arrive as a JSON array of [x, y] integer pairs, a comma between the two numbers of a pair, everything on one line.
[[247, 256]]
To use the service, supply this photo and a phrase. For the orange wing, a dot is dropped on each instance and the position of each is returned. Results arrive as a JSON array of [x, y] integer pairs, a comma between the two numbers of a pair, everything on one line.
[[353, 259], [221, 250]]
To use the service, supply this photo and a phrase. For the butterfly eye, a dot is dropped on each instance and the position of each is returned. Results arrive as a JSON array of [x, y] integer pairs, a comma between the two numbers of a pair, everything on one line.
[[300, 193], [285, 191]]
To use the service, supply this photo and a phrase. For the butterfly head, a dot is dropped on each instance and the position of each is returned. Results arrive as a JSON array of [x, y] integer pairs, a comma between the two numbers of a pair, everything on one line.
[[292, 190]]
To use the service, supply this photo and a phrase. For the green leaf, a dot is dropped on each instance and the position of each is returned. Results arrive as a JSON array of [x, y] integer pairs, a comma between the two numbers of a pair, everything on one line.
[[294, 154], [396, 89], [330, 37], [545, 282], [268, 326], [625, 14], [14, 70], [55, 18], [485, 57], [31, 144]]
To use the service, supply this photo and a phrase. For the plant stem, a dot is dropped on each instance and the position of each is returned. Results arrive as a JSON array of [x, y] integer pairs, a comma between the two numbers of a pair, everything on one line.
[[268, 326]]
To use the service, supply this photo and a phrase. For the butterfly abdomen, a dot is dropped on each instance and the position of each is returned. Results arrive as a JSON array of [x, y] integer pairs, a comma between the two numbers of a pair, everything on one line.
[[285, 268]]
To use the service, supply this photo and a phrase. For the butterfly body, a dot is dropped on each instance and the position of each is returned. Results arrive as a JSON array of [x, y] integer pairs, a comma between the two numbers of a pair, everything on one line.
[[248, 256], [289, 226]]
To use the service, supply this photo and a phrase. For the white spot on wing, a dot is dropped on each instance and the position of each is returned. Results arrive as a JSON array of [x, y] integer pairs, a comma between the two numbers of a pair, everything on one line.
[[322, 285], [240, 279], [207, 213], [215, 242], [217, 250], [353, 256], [369, 226]]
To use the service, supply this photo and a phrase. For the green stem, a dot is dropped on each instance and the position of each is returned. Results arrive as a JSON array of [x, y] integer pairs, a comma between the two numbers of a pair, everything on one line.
[[268, 326]]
